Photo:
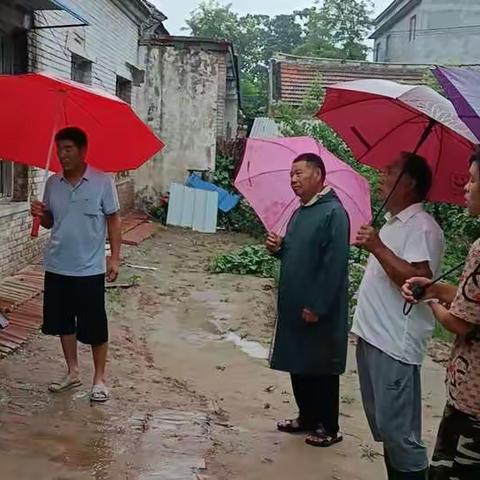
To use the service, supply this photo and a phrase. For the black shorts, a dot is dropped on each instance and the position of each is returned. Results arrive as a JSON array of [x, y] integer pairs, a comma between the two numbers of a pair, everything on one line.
[[75, 305]]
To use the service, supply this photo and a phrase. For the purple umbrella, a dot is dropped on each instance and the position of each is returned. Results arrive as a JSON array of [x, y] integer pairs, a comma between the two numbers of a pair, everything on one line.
[[462, 86]]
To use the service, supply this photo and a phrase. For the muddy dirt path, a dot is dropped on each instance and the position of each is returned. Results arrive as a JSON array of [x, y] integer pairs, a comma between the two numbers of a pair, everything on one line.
[[192, 397]]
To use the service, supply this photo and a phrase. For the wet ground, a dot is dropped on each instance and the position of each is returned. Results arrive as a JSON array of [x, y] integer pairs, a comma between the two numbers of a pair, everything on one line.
[[192, 397]]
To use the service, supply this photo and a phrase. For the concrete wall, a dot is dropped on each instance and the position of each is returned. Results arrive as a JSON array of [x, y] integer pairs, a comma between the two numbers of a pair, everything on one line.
[[436, 40], [109, 43], [182, 102]]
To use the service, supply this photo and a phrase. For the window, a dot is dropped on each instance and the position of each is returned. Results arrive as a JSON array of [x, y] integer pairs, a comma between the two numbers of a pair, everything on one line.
[[124, 89], [413, 29], [13, 59], [124, 92], [378, 48], [388, 46], [6, 179], [81, 70]]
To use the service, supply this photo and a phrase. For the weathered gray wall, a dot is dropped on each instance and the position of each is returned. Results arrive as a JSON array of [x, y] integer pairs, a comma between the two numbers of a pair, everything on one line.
[[436, 40], [181, 103]]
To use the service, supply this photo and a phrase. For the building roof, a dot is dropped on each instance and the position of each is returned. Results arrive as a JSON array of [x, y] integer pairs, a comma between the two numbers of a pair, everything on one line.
[[264, 127], [210, 44], [153, 9], [294, 77], [393, 14]]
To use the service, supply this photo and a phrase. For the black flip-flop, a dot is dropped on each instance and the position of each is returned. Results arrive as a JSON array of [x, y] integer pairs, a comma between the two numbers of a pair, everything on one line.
[[320, 438]]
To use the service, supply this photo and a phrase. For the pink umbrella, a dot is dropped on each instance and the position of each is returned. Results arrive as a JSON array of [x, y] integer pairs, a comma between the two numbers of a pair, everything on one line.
[[264, 180]]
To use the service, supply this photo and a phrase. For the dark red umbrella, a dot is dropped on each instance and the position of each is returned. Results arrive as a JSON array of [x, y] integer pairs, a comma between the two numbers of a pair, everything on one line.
[[378, 119], [35, 106]]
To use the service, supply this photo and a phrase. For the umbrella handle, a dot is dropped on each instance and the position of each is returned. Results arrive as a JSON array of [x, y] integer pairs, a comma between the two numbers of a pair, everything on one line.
[[35, 227], [37, 220]]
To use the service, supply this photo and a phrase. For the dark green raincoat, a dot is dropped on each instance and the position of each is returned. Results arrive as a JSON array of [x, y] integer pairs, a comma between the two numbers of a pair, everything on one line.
[[314, 275]]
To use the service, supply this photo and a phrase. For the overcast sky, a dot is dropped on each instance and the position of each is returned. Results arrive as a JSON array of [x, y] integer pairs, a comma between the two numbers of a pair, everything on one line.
[[178, 10]]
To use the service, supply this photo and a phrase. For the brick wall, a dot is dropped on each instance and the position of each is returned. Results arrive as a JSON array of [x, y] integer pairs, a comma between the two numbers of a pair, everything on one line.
[[126, 195], [222, 93], [17, 249]]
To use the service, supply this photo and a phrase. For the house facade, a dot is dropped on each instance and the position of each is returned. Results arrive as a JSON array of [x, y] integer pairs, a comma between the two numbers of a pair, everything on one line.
[[428, 31], [190, 99], [95, 42]]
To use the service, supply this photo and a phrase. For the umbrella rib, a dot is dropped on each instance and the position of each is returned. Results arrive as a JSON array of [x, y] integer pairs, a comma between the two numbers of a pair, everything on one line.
[[75, 100], [382, 139], [437, 166], [468, 143], [276, 142], [380, 97], [285, 209], [287, 170], [262, 174], [396, 102]]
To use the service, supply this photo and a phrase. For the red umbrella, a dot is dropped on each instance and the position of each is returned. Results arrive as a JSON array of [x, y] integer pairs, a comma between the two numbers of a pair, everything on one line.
[[35, 106], [378, 119]]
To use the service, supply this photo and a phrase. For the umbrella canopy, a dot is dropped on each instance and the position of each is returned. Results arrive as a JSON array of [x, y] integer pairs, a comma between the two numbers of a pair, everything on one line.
[[35, 106], [462, 85], [378, 119], [264, 180]]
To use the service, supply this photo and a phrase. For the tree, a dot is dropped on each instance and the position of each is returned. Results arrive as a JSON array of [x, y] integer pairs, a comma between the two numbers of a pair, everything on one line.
[[349, 21], [318, 38], [212, 20], [284, 33], [336, 29]]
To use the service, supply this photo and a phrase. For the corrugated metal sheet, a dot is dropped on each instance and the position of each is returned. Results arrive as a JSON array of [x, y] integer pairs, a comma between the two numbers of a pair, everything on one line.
[[265, 128], [192, 208], [21, 305], [295, 76], [205, 211]]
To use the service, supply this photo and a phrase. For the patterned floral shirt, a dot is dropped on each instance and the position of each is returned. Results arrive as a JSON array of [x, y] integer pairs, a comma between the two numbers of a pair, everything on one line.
[[463, 372]]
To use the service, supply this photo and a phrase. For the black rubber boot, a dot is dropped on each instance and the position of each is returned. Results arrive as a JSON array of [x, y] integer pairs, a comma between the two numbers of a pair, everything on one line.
[[396, 475], [420, 475], [390, 470]]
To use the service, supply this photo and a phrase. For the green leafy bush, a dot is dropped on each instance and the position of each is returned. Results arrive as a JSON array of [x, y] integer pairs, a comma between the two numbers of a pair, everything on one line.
[[251, 260]]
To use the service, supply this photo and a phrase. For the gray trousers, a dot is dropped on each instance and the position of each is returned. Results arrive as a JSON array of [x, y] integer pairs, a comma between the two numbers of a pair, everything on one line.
[[392, 399]]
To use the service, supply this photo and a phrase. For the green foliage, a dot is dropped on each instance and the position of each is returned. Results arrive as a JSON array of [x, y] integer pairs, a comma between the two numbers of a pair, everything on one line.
[[335, 29], [251, 260], [430, 81]]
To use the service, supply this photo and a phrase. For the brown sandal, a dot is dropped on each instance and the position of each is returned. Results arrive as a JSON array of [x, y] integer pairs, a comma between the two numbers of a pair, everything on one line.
[[293, 426], [320, 438]]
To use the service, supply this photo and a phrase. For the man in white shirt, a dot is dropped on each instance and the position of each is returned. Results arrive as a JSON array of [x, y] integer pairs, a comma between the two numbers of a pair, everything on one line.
[[391, 345]]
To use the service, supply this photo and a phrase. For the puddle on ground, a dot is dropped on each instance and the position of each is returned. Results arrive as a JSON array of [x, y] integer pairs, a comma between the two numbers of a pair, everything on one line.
[[252, 349], [173, 444]]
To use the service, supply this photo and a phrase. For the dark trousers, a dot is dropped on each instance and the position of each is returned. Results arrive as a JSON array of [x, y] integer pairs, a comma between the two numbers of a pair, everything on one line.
[[457, 452], [318, 399]]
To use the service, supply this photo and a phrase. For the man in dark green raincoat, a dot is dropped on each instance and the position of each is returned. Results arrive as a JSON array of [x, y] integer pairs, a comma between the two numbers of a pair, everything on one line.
[[312, 330]]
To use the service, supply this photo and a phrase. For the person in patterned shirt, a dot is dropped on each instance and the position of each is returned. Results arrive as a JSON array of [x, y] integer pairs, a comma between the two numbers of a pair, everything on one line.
[[457, 451]]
